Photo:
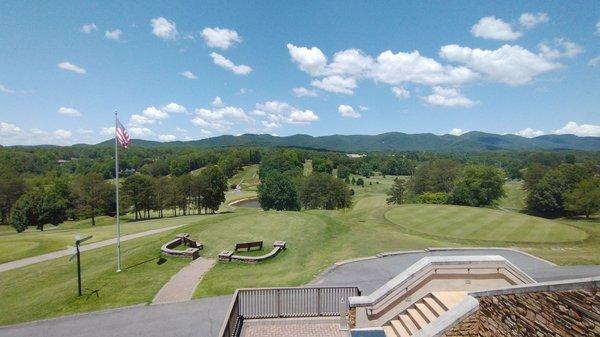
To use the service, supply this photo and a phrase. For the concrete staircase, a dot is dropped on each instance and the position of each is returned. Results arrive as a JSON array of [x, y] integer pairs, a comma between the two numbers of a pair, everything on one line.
[[423, 312]]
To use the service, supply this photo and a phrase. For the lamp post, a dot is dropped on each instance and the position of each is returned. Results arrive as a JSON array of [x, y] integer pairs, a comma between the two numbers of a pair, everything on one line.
[[78, 241]]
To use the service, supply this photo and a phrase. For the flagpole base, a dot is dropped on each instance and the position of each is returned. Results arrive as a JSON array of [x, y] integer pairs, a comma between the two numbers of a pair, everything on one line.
[[118, 270]]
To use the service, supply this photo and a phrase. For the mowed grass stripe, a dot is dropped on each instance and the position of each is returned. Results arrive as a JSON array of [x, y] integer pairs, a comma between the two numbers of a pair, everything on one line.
[[481, 224]]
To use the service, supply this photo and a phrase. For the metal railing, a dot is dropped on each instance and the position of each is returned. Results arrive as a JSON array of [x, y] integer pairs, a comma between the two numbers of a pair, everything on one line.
[[283, 303]]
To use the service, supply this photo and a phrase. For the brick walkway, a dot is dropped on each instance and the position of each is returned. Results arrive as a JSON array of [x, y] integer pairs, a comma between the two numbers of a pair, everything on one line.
[[293, 328], [182, 285]]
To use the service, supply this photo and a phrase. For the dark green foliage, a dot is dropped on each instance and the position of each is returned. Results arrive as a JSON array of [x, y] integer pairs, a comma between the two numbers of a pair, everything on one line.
[[214, 185], [138, 191], [38, 207], [12, 186], [93, 195], [532, 175], [478, 185], [343, 171], [584, 198], [360, 182], [434, 176], [278, 192], [323, 165], [322, 191], [397, 192], [282, 161], [432, 198]]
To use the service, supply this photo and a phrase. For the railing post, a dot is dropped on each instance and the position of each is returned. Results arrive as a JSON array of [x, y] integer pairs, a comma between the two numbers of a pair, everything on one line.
[[318, 302], [278, 302], [343, 318]]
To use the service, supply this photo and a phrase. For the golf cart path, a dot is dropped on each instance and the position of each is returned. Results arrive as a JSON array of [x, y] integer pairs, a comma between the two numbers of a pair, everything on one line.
[[66, 252], [182, 285]]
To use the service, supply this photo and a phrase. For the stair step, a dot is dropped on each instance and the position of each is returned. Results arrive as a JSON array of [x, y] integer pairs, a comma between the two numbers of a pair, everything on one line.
[[449, 298], [426, 311], [416, 317], [389, 331], [399, 328], [408, 324], [435, 307]]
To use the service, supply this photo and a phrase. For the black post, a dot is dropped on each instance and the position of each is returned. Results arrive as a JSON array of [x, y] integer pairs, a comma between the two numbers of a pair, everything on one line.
[[78, 269]]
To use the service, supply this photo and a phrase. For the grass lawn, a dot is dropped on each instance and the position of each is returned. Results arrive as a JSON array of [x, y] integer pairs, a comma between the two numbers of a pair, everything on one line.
[[515, 196], [481, 224], [315, 240]]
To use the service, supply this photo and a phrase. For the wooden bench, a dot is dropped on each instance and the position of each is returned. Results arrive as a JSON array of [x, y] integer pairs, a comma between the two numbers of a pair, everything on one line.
[[228, 256], [248, 245]]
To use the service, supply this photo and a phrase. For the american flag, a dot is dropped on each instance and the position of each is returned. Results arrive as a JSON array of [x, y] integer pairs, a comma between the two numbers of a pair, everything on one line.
[[122, 135]]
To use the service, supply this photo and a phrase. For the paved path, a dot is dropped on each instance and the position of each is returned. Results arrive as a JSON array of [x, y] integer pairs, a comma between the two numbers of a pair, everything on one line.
[[66, 252], [182, 285], [203, 317]]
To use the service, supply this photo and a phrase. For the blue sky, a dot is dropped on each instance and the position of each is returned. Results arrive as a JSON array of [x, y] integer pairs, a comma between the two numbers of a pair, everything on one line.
[[189, 70]]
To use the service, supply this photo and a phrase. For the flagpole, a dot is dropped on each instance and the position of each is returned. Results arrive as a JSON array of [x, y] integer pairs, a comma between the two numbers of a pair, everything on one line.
[[117, 195]]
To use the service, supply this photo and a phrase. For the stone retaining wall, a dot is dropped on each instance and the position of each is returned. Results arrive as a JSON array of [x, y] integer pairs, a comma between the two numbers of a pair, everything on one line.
[[541, 314]]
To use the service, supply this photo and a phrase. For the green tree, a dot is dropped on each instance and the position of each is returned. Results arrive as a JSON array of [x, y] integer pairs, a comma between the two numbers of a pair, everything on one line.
[[323, 165], [478, 185], [585, 197], [278, 192], [215, 187], [139, 190], [93, 194], [321, 190], [343, 171], [434, 176], [12, 186], [360, 182], [37, 207], [397, 192], [532, 175]]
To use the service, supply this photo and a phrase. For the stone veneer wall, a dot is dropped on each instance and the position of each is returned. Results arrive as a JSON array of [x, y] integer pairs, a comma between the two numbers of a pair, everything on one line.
[[541, 314]]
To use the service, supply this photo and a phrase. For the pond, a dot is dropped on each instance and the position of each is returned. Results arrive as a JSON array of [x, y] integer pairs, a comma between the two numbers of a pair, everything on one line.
[[248, 203]]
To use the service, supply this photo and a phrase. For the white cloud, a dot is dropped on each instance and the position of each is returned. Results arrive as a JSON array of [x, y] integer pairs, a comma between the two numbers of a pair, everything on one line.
[[490, 27], [529, 133], [140, 131], [217, 102], [107, 131], [595, 62], [167, 138], [114, 35], [174, 108], [508, 64], [583, 130], [223, 62], [244, 91], [352, 62], [337, 84], [400, 92], [153, 113], [68, 66], [220, 37], [64, 134], [457, 132], [448, 97], [6, 90], [310, 60], [567, 49], [277, 113], [88, 28], [304, 92], [530, 20], [68, 112], [220, 118], [7, 129], [347, 111], [597, 32], [136, 119], [163, 28], [363, 108], [189, 75]]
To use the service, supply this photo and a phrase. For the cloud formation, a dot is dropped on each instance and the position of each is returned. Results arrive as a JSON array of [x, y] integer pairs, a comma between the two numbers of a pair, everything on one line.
[[448, 97], [220, 37], [529, 133], [223, 62], [88, 28], [347, 111], [490, 27], [189, 75], [164, 29], [114, 35], [71, 112], [582, 130], [68, 66], [530, 20]]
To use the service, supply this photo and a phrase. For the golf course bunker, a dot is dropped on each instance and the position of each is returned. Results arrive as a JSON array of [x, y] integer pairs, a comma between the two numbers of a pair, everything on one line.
[[246, 203], [483, 224]]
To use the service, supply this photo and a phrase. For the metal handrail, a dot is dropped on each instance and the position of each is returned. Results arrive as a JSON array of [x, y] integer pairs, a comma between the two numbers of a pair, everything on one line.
[[283, 302]]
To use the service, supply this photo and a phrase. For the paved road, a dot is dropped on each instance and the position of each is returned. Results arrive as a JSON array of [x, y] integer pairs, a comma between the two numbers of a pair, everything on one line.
[[66, 252], [203, 317]]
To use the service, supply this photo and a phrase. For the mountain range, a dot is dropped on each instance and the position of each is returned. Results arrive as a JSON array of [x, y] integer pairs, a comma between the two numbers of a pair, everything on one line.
[[392, 141]]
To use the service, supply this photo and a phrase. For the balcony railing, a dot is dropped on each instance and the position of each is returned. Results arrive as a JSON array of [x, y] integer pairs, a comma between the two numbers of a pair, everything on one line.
[[283, 303]]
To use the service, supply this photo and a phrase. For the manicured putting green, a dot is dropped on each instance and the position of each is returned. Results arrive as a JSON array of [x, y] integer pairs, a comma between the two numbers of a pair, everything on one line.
[[470, 223]]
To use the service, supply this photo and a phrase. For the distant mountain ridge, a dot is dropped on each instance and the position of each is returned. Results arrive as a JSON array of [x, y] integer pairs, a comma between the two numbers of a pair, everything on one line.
[[393, 141]]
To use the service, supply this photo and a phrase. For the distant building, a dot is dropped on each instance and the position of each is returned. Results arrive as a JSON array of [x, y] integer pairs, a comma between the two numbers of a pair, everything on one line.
[[355, 155]]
